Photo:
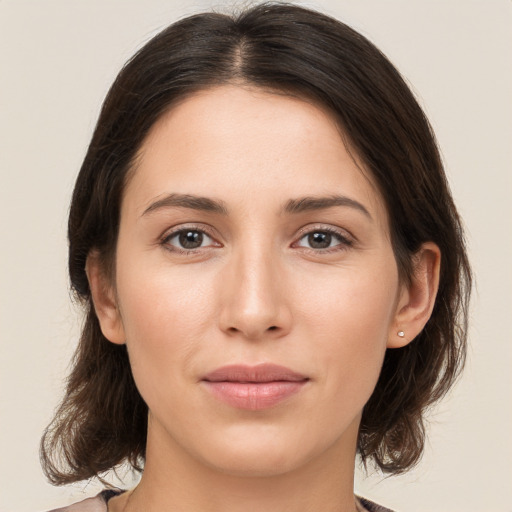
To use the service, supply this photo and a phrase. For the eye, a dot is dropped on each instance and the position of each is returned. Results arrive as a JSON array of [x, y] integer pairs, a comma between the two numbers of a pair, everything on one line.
[[321, 239], [188, 239]]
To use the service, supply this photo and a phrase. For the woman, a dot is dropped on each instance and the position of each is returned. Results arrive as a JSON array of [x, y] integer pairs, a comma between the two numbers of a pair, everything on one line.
[[272, 266]]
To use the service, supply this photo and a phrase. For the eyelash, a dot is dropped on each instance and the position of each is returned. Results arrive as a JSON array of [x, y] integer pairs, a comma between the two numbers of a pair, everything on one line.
[[169, 236], [344, 241]]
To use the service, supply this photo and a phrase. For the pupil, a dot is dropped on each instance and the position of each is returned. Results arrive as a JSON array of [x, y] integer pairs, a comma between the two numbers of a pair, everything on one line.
[[191, 239], [319, 240]]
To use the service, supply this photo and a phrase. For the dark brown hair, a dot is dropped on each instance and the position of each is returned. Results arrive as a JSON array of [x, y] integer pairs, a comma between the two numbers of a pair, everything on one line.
[[102, 420]]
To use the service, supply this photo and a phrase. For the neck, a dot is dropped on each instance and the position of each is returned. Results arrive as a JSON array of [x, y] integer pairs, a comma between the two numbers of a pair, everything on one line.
[[173, 479]]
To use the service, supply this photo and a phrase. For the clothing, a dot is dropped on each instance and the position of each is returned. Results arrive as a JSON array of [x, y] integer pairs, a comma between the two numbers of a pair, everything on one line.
[[99, 504]]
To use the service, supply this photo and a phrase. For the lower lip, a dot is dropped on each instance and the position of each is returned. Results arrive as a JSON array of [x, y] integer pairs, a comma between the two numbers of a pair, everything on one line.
[[254, 395]]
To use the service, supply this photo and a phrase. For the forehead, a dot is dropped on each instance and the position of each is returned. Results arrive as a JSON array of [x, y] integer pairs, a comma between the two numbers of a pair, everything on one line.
[[228, 140]]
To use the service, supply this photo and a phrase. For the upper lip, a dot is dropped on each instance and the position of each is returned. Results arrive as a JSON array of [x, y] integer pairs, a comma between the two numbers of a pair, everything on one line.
[[260, 373]]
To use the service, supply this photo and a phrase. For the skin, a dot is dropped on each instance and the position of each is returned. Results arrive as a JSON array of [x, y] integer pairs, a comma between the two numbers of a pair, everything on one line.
[[255, 290]]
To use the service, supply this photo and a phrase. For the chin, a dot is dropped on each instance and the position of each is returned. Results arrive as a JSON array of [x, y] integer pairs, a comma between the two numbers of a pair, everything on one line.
[[260, 463], [254, 454]]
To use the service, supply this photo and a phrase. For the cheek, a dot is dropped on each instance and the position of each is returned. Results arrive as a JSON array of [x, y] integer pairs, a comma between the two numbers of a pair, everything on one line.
[[165, 317], [356, 303], [348, 322]]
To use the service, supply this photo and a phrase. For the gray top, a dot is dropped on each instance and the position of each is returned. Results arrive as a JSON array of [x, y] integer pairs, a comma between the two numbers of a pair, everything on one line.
[[99, 504]]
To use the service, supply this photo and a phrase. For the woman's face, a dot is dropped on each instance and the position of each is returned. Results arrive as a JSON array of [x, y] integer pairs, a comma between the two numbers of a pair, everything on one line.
[[249, 237]]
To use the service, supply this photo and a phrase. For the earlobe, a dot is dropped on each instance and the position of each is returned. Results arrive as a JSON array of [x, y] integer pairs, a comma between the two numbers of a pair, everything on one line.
[[417, 298], [104, 300]]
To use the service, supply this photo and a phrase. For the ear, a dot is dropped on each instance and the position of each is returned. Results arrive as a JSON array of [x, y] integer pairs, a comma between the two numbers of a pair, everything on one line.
[[417, 298], [104, 300]]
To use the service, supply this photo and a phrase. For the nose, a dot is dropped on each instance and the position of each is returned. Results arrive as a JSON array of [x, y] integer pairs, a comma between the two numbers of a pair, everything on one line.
[[254, 297]]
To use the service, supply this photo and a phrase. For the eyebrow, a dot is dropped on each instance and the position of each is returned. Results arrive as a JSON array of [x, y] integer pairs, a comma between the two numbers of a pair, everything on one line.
[[292, 206], [188, 201], [309, 203]]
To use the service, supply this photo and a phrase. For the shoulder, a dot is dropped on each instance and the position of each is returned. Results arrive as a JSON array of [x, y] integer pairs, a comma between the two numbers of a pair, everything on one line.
[[370, 506], [96, 504]]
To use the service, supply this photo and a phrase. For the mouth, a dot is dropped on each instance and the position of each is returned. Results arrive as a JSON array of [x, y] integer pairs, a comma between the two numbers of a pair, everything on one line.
[[254, 387]]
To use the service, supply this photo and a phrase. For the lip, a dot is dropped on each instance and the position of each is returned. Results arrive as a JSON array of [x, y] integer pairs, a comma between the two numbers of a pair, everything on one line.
[[254, 387]]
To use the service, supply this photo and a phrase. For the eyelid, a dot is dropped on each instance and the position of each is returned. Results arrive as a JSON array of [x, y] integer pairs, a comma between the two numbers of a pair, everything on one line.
[[346, 239], [176, 230]]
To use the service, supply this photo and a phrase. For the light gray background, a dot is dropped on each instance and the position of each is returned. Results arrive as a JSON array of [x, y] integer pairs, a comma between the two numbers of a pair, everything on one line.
[[57, 60]]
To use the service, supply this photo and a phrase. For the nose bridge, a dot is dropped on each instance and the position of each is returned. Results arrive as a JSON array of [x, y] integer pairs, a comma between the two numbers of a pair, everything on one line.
[[254, 303]]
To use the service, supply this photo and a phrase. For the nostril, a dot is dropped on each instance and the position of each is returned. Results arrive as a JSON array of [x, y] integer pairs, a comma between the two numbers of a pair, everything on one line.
[[272, 328]]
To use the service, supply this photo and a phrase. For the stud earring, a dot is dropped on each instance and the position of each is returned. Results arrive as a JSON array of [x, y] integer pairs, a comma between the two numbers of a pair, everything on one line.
[[401, 334]]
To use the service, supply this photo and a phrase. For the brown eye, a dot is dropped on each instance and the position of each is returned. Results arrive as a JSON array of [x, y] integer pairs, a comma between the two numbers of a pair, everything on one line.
[[188, 239], [319, 240], [324, 239]]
